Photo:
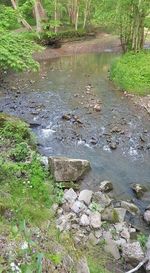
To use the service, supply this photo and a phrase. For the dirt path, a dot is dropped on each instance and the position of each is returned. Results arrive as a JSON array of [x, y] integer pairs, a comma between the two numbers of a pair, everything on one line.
[[102, 43]]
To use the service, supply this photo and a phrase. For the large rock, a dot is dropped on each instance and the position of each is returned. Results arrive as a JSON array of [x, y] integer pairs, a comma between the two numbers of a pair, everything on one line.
[[68, 169], [95, 220], [111, 247], [77, 207], [132, 253], [102, 199], [85, 196], [148, 255], [70, 195], [113, 215], [132, 208]]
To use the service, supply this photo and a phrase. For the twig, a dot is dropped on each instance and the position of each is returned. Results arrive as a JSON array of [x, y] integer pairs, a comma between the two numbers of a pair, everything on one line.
[[138, 266]]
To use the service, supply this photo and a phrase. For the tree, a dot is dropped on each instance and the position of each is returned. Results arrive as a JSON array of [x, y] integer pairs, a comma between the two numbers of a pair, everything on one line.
[[127, 18]]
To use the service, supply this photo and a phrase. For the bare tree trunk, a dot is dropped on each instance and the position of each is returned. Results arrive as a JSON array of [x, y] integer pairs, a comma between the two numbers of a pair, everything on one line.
[[86, 12], [37, 16], [55, 16], [22, 20]]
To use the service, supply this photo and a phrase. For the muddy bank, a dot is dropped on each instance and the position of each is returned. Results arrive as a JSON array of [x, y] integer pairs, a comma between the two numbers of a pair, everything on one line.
[[102, 43]]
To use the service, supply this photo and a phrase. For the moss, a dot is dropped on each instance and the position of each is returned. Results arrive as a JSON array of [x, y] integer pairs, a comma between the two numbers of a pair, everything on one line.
[[115, 217]]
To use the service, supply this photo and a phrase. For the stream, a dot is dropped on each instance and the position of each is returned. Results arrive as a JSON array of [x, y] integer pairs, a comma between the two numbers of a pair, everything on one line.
[[116, 139]]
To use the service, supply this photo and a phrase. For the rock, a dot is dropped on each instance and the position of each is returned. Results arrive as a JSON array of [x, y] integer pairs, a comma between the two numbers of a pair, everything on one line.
[[84, 220], [113, 145], [66, 117], [147, 216], [138, 189], [54, 208], [106, 186], [68, 169], [44, 160], [78, 206], [111, 215], [125, 234], [120, 242], [95, 220], [98, 233], [148, 255], [70, 195], [132, 208], [132, 253], [111, 247], [93, 240], [82, 266], [102, 199], [62, 223], [121, 212], [85, 196], [97, 107]]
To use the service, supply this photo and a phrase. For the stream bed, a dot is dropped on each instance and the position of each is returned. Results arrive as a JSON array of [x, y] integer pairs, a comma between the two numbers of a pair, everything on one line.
[[59, 103]]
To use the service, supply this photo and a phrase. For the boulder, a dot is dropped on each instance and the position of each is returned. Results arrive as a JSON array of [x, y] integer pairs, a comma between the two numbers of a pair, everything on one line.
[[77, 207], [106, 186], [85, 196], [138, 190], [102, 199], [148, 255], [93, 240], [111, 215], [111, 247], [132, 208], [70, 195], [95, 220], [132, 253], [147, 216], [84, 220], [68, 169]]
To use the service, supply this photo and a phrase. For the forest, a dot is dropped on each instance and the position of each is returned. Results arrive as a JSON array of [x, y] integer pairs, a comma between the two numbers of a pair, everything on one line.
[[74, 136]]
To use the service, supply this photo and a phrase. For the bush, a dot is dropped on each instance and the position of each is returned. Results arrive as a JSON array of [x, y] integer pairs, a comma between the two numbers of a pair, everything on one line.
[[20, 152], [131, 72]]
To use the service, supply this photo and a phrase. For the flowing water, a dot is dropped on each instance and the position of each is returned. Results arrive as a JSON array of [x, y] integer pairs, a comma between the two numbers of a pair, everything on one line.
[[74, 85]]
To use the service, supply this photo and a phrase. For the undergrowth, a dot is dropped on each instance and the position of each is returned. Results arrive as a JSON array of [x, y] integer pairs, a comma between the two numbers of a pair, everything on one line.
[[131, 73]]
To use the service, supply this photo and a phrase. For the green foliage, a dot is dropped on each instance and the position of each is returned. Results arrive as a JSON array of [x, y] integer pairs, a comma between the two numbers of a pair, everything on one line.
[[131, 72], [16, 52], [8, 18], [142, 238], [20, 152], [95, 207], [59, 193]]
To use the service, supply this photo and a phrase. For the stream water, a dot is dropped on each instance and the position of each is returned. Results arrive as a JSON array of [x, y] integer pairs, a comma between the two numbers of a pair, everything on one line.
[[73, 86]]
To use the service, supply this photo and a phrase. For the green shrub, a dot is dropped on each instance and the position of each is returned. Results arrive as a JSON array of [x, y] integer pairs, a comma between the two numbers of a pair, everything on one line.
[[20, 152], [131, 72]]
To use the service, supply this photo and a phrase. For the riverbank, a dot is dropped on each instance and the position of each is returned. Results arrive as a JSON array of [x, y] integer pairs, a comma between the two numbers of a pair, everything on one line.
[[91, 233], [102, 43], [29, 239]]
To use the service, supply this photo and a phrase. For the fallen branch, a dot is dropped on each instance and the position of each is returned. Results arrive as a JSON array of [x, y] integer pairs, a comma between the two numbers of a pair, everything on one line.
[[138, 266]]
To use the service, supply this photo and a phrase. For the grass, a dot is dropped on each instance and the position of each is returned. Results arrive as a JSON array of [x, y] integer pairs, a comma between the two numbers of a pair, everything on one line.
[[131, 73], [29, 240]]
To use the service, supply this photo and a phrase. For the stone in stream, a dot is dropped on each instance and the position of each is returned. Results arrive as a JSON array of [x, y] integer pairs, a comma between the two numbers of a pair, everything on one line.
[[132, 208], [106, 186], [138, 189], [68, 169], [97, 107]]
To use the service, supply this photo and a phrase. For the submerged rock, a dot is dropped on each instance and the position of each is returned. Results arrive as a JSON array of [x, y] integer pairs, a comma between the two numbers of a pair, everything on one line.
[[68, 169]]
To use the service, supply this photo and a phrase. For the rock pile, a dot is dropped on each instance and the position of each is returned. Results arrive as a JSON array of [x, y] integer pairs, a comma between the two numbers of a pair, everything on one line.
[[94, 218]]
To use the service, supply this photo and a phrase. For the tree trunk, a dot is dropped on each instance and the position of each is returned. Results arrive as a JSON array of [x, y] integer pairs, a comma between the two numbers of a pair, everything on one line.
[[55, 16], [22, 20], [37, 16]]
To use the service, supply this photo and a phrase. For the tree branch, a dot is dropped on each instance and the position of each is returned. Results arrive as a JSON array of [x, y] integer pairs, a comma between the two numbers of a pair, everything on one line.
[[138, 266]]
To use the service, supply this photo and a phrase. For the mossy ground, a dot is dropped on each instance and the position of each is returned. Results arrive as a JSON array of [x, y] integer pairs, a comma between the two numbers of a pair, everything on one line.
[[29, 240], [131, 73]]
